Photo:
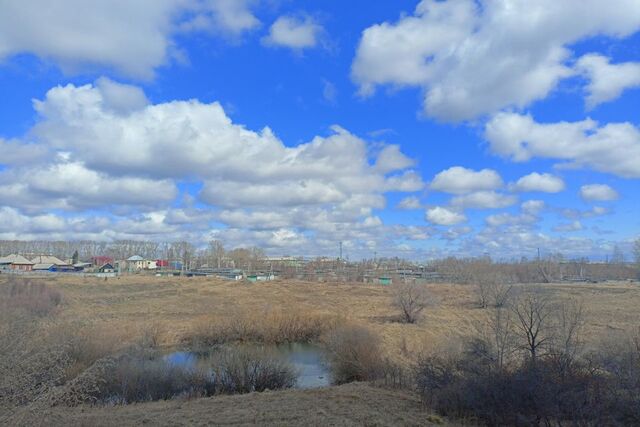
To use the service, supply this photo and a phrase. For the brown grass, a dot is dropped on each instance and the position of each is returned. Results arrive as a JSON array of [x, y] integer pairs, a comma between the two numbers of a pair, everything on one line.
[[355, 404], [171, 311]]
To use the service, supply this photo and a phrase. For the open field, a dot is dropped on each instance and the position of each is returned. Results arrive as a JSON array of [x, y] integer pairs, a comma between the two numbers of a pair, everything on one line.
[[172, 306], [118, 312]]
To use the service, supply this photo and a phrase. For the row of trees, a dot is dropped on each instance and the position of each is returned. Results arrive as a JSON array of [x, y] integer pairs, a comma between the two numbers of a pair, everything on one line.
[[214, 255], [460, 270]]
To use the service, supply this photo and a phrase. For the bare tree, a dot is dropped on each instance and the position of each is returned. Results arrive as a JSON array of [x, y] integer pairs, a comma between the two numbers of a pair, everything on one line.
[[532, 311], [492, 289], [501, 335], [411, 299], [617, 257], [216, 253], [567, 340]]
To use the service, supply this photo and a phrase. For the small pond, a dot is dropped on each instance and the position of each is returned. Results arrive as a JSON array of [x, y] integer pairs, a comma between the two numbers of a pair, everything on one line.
[[307, 359]]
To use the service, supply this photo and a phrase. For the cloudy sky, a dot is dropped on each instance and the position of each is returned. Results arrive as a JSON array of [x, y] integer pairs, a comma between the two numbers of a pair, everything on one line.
[[410, 128]]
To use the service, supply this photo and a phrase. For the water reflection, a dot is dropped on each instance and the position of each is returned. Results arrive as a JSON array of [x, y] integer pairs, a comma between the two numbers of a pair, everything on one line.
[[307, 359]]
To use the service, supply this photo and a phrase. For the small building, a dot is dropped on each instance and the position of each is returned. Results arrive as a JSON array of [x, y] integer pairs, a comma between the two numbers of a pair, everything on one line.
[[44, 268], [59, 265], [100, 260], [137, 263], [16, 262], [107, 268], [384, 280], [81, 266], [175, 265]]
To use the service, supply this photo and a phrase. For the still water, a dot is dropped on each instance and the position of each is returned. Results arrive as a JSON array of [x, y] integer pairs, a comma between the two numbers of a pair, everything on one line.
[[307, 359]]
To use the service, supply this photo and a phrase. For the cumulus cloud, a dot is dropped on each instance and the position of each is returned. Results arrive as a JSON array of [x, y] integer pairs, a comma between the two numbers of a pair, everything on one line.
[[296, 33], [472, 57], [131, 37], [460, 180], [71, 186], [598, 193], [545, 183], [109, 150], [484, 200], [607, 81], [409, 203], [568, 227], [612, 148], [444, 216]]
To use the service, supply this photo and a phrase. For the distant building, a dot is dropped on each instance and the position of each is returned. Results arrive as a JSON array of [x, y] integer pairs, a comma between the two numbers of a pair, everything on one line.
[[137, 263], [97, 261], [16, 262], [107, 268], [58, 265], [44, 267]]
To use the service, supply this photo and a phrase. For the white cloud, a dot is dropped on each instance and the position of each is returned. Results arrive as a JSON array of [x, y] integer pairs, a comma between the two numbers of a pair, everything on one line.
[[105, 148], [473, 58], [121, 98], [131, 37], [612, 148], [72, 186], [329, 92], [598, 193], [529, 215], [607, 81], [459, 180], [568, 227], [294, 32], [483, 200], [409, 203], [544, 182], [225, 16], [444, 216], [532, 206]]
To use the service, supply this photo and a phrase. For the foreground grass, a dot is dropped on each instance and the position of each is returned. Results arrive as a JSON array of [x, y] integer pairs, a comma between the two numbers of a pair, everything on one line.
[[353, 404]]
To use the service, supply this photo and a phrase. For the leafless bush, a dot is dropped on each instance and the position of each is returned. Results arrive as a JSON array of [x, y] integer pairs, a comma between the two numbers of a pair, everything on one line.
[[230, 371], [554, 382], [141, 380], [354, 354], [411, 299], [272, 327], [32, 297], [245, 370]]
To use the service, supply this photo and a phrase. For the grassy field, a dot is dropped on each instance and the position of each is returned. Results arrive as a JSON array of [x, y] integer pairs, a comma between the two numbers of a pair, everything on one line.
[[170, 307], [168, 311]]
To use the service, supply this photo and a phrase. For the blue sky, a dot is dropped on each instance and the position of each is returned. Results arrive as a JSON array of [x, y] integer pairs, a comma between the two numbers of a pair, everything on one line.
[[413, 128]]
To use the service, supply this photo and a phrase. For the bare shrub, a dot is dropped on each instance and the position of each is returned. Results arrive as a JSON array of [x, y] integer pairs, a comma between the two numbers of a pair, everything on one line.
[[32, 297], [411, 299], [135, 378], [271, 327], [245, 370], [139, 380], [462, 386], [354, 354]]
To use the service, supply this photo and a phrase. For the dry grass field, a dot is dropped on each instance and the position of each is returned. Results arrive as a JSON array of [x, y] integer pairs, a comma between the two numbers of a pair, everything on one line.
[[170, 307], [167, 311]]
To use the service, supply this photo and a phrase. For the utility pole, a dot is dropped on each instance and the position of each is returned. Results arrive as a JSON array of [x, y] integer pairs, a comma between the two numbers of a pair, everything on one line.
[[340, 258]]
